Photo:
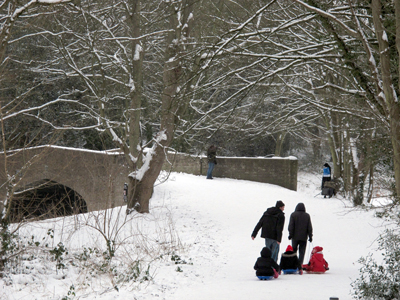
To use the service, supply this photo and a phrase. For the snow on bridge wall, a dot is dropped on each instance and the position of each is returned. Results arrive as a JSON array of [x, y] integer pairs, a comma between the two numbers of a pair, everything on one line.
[[274, 170], [99, 176]]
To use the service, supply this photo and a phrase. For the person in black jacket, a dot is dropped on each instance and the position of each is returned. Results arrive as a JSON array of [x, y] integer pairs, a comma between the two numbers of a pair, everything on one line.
[[300, 228], [265, 265], [212, 160], [272, 223], [290, 261]]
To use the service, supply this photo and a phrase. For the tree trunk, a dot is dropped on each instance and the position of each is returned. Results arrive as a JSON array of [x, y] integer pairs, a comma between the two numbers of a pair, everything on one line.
[[333, 145], [370, 184], [279, 143], [136, 83], [395, 127], [172, 108], [347, 162], [393, 109]]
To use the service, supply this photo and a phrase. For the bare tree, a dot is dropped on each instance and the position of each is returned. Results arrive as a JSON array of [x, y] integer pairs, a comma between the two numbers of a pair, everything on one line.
[[138, 68], [366, 36]]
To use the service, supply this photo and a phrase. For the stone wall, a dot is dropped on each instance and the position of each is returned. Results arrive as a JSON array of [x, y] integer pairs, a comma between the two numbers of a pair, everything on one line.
[[99, 176], [274, 170]]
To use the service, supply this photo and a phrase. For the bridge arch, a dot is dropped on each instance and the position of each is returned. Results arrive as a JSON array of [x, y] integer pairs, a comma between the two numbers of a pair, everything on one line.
[[45, 199], [97, 176]]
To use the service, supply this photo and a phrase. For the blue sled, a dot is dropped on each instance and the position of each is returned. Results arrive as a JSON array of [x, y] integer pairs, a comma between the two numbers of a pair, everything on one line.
[[290, 271], [265, 277]]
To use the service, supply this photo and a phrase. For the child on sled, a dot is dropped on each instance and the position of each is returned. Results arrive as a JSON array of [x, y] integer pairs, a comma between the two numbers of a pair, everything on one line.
[[290, 263], [265, 266], [317, 262]]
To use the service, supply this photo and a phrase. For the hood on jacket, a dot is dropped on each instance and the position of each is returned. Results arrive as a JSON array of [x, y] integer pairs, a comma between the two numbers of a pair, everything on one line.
[[273, 211], [316, 249], [265, 252], [300, 207]]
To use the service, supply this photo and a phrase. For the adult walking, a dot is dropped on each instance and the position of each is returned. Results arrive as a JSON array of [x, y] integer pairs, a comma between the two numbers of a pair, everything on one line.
[[271, 224], [300, 228], [326, 174], [212, 160]]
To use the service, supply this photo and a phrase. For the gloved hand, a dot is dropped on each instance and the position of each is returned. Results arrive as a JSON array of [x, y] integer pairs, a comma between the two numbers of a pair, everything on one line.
[[301, 271], [290, 237], [310, 239]]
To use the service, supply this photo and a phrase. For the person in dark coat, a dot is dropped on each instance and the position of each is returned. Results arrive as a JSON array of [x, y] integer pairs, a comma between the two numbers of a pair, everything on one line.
[[212, 160], [271, 224], [265, 265], [300, 228], [290, 261]]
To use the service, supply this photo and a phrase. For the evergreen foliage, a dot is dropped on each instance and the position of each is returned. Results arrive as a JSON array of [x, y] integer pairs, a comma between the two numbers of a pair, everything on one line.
[[380, 280]]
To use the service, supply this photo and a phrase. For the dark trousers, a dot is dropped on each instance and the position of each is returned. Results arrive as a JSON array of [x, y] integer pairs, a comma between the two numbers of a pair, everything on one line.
[[302, 249], [323, 182]]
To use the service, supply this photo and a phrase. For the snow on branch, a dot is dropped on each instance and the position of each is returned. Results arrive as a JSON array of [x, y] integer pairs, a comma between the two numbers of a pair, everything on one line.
[[138, 174], [236, 32], [25, 7], [329, 16], [35, 108]]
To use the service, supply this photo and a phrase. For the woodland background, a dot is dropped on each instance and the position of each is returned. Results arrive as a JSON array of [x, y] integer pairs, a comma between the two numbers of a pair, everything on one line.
[[318, 80], [315, 79]]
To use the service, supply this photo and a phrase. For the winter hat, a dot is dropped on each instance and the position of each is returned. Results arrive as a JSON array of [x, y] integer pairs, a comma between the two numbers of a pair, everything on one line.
[[316, 249], [265, 252], [279, 204], [289, 248]]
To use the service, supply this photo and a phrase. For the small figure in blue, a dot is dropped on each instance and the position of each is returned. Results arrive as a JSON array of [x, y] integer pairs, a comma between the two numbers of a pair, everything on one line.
[[212, 160], [326, 174], [290, 263], [265, 266]]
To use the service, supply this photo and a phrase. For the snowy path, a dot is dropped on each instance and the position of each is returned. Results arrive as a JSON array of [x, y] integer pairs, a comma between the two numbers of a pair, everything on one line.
[[221, 214], [213, 220]]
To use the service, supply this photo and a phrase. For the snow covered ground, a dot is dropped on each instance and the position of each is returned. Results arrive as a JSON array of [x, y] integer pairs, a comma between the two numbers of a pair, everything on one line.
[[205, 226]]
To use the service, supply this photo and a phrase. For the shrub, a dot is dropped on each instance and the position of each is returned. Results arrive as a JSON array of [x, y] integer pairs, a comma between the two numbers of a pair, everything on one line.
[[380, 281]]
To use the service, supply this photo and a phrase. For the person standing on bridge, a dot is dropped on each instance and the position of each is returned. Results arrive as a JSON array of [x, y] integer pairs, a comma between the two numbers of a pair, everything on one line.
[[212, 160], [271, 224]]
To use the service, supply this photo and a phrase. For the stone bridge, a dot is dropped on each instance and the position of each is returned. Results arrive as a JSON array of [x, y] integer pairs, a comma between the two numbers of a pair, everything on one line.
[[98, 177]]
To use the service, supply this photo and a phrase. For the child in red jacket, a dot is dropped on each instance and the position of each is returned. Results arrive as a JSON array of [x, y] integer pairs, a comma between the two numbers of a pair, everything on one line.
[[317, 262]]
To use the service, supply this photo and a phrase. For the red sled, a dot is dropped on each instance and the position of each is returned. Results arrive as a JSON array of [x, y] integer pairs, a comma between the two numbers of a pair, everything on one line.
[[312, 272]]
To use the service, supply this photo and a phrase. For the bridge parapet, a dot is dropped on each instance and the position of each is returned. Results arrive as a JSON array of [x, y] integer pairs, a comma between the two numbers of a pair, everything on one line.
[[99, 176], [281, 171]]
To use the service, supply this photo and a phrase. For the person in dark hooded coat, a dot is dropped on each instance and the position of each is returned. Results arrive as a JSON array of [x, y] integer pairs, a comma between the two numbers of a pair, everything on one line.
[[300, 228], [271, 225], [290, 261], [265, 265]]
